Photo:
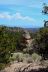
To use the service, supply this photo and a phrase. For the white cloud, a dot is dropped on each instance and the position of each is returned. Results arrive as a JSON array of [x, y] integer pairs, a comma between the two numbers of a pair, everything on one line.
[[5, 15], [17, 16], [25, 18]]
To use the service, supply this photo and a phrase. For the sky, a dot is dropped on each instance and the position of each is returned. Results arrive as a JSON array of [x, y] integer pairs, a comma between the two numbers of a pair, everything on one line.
[[22, 13]]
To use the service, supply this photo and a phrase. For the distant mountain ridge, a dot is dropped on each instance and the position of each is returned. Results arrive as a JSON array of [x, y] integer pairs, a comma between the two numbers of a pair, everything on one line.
[[17, 29], [32, 29]]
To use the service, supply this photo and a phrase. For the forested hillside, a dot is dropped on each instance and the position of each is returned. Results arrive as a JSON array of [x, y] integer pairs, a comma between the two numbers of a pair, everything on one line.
[[11, 43]]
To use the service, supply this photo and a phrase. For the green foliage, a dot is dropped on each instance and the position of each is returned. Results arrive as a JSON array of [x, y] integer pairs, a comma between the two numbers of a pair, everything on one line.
[[20, 57], [36, 57], [2, 66], [8, 43], [17, 56], [41, 42]]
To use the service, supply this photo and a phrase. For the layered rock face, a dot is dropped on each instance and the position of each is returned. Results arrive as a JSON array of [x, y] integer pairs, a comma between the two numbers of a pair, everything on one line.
[[27, 38], [25, 67]]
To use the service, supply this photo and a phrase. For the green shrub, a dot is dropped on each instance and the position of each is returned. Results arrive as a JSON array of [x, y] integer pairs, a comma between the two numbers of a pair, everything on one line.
[[26, 55], [2, 66], [36, 57], [20, 57], [27, 58], [17, 56]]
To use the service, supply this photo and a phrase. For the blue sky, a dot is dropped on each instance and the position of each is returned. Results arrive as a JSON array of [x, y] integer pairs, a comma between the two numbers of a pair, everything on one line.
[[22, 13]]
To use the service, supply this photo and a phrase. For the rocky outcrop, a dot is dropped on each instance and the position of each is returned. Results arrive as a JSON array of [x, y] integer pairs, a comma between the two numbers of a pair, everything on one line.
[[26, 39], [25, 67]]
